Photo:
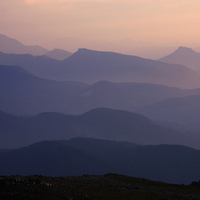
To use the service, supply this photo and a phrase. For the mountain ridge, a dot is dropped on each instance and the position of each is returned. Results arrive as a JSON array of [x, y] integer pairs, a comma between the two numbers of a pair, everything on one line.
[[180, 110], [91, 66], [58, 54], [91, 156], [22, 93], [101, 123], [10, 45], [184, 56]]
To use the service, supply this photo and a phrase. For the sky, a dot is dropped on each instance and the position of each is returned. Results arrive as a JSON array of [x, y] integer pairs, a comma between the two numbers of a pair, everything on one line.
[[148, 22]]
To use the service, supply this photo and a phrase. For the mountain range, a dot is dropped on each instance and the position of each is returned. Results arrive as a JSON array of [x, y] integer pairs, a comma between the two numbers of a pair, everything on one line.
[[25, 94], [166, 163], [101, 123], [184, 56], [91, 66], [22, 93], [56, 95], [13, 46]]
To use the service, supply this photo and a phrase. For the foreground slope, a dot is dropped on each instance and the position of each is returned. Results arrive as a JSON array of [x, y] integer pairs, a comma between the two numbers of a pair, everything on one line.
[[92, 66], [106, 187], [167, 163]]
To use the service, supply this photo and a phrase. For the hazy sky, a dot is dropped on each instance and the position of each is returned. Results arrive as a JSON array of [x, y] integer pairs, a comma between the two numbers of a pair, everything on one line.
[[40, 21]]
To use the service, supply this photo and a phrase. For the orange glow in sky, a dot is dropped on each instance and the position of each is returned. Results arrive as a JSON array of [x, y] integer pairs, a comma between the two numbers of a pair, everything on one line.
[[148, 21]]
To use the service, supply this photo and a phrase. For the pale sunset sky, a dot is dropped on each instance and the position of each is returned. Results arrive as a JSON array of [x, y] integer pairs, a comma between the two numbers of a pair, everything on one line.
[[147, 21]]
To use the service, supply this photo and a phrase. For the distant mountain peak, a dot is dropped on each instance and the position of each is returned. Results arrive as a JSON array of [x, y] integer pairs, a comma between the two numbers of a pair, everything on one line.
[[58, 54], [184, 56], [185, 50]]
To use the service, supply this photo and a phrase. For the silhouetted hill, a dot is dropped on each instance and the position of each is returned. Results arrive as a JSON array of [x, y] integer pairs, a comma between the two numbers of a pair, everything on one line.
[[23, 93], [98, 123], [184, 56], [58, 54], [123, 125], [10, 45], [181, 110], [167, 163], [39, 159], [92, 66]]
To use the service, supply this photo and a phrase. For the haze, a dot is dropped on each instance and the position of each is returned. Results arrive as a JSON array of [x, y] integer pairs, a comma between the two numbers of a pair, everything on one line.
[[102, 25], [79, 96]]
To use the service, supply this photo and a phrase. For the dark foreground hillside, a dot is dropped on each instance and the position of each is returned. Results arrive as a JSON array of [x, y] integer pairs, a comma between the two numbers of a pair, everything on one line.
[[91, 187], [167, 163]]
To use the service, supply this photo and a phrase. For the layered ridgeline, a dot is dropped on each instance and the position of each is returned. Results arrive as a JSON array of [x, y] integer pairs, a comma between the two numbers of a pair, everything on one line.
[[182, 113], [22, 93], [184, 56], [10, 45], [99, 123], [13, 46], [58, 54], [92, 66], [167, 163]]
